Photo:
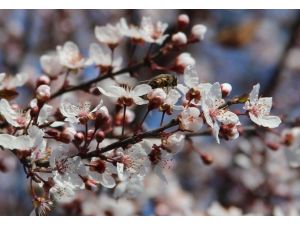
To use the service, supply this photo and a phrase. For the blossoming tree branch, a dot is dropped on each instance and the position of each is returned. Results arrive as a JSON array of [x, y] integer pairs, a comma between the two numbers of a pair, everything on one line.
[[83, 145]]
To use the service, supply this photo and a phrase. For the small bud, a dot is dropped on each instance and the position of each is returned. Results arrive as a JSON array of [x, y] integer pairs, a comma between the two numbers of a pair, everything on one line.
[[156, 98], [34, 112], [78, 138], [272, 146], [179, 39], [43, 93], [90, 134], [43, 80], [182, 21], [198, 32], [226, 89], [206, 158], [64, 137], [100, 135], [182, 61]]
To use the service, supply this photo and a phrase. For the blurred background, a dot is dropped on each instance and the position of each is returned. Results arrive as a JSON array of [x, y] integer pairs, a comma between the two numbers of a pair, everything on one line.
[[242, 47]]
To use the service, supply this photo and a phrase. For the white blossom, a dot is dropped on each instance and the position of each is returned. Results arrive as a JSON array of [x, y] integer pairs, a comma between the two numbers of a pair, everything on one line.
[[51, 64], [11, 82], [16, 118], [102, 172], [179, 38], [125, 95], [259, 109], [154, 33], [190, 119], [69, 56], [108, 34], [174, 143], [212, 104], [74, 113]]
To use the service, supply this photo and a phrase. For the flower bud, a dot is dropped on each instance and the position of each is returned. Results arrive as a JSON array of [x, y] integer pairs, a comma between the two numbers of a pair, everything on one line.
[[43, 80], [43, 93], [156, 98], [179, 39], [272, 146], [226, 89], [64, 137], [182, 21], [100, 135], [34, 112], [198, 32], [78, 138], [207, 159], [182, 61]]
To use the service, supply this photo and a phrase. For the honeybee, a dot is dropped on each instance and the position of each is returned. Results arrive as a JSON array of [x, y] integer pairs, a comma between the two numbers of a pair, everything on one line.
[[163, 81]]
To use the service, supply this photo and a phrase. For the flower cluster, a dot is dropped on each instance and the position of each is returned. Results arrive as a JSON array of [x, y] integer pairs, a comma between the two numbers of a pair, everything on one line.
[[102, 143]]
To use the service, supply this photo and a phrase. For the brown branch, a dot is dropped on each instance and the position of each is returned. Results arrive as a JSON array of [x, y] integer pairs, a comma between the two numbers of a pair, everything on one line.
[[131, 140]]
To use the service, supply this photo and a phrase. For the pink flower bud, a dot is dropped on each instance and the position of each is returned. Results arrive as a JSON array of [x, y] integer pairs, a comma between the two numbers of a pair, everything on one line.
[[179, 38], [198, 32], [156, 98], [183, 20], [79, 137], [43, 80], [207, 159], [100, 135], [182, 61], [226, 89], [43, 93]]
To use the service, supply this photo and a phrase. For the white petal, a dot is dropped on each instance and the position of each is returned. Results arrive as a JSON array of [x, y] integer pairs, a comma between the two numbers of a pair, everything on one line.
[[142, 89], [172, 97], [139, 101], [108, 181], [44, 113], [11, 142], [113, 91], [191, 78], [253, 96], [270, 121], [8, 113]]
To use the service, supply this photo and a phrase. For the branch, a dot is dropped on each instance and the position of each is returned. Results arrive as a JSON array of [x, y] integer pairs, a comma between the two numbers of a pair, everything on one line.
[[131, 140]]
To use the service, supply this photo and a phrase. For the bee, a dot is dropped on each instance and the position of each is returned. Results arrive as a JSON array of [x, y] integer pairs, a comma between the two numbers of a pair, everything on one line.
[[163, 81]]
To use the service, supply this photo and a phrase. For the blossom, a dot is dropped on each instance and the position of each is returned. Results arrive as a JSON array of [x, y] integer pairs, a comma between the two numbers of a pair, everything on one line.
[[159, 158], [192, 88], [66, 168], [126, 95], [135, 33], [154, 32], [109, 35], [16, 118], [63, 191], [174, 142], [11, 82], [259, 109], [134, 160], [190, 119], [81, 112], [69, 56], [101, 55], [212, 104], [34, 139], [198, 31], [51, 64], [102, 171]]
